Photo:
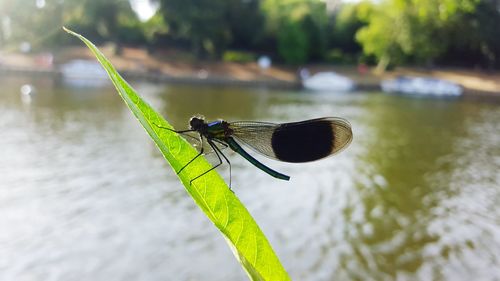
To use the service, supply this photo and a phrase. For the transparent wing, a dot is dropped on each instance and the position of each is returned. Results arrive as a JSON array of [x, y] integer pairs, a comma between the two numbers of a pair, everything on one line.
[[256, 135]]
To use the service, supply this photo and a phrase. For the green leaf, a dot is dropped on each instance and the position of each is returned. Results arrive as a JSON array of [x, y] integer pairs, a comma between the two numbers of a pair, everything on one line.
[[210, 192]]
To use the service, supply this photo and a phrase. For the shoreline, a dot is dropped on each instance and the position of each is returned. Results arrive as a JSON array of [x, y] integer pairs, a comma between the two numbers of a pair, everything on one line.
[[136, 64], [162, 78], [471, 94]]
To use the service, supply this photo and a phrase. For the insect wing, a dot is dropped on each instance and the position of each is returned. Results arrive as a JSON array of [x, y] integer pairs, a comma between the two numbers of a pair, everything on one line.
[[295, 142], [342, 132], [256, 135]]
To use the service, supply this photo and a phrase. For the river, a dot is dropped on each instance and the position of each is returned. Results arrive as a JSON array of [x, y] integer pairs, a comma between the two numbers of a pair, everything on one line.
[[85, 195]]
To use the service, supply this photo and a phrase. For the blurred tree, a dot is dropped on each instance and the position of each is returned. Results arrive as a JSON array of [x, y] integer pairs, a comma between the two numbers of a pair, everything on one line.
[[211, 26], [246, 24], [154, 28], [474, 37], [112, 20], [202, 22], [299, 27], [400, 30], [35, 22], [40, 22], [448, 32], [343, 27], [292, 43]]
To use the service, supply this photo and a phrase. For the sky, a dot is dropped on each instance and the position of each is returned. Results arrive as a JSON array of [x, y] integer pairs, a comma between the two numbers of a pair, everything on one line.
[[144, 8]]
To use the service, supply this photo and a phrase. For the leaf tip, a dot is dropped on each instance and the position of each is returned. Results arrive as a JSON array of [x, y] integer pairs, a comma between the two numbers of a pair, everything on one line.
[[70, 31]]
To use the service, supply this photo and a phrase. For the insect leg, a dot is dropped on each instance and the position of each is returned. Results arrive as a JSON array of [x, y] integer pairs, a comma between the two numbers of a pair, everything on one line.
[[223, 155], [217, 151], [198, 155], [221, 142], [183, 132]]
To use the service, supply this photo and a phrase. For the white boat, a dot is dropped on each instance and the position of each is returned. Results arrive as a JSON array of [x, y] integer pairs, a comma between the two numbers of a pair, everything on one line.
[[84, 73], [328, 81], [420, 86]]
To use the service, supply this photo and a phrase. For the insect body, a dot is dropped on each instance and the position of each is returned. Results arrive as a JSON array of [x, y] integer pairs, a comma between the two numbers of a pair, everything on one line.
[[295, 142]]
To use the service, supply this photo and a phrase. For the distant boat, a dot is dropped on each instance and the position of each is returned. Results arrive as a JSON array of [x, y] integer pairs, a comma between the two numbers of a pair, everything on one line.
[[328, 81], [84, 73], [420, 86]]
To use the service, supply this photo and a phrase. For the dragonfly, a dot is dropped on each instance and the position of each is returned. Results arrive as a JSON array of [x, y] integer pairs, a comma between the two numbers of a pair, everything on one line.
[[295, 142]]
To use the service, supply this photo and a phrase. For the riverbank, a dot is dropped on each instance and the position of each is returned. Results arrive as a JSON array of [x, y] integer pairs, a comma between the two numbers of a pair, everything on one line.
[[172, 67]]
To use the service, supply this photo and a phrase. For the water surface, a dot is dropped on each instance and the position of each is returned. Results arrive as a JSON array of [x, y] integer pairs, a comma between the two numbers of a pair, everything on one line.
[[85, 195]]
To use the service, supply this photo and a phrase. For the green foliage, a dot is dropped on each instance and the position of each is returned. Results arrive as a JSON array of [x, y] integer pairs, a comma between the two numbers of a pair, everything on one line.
[[239, 56], [211, 26], [475, 37], [111, 20], [154, 28], [200, 22], [103, 20], [401, 30], [394, 32], [316, 37], [23, 21], [292, 43], [246, 23], [299, 27], [210, 192], [379, 37], [345, 25], [337, 56], [130, 30]]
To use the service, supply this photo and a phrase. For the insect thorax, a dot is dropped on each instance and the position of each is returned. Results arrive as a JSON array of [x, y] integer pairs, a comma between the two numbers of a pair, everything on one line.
[[219, 129]]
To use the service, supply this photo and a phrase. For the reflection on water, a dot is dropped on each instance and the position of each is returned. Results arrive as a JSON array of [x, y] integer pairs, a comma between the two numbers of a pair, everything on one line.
[[84, 195]]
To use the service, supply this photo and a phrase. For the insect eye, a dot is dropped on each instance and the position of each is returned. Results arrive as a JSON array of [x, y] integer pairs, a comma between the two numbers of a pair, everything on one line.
[[196, 122]]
